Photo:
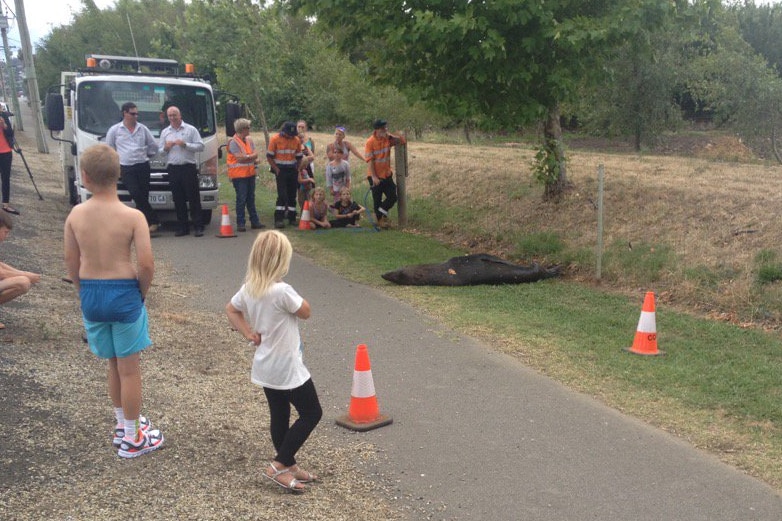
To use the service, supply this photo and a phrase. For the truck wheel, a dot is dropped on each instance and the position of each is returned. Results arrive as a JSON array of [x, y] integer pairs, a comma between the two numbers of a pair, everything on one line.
[[206, 217]]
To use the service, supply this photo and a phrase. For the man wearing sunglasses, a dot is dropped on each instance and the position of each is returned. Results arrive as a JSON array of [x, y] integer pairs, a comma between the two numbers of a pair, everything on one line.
[[135, 145]]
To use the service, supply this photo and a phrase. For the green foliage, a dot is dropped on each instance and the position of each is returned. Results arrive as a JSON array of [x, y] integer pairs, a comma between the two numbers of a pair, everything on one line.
[[767, 268], [642, 262], [538, 245], [95, 31], [546, 166]]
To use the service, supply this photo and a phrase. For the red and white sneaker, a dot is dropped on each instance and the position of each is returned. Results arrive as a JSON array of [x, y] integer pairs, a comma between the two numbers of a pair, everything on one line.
[[147, 442], [119, 430]]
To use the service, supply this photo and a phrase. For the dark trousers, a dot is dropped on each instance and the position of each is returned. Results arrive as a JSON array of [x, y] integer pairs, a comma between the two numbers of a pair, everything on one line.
[[136, 181], [184, 188], [245, 198], [288, 439], [5, 175], [386, 188], [287, 185]]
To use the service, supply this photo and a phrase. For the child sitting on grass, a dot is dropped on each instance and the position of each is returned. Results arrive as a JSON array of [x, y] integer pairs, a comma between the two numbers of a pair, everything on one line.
[[346, 211], [319, 209]]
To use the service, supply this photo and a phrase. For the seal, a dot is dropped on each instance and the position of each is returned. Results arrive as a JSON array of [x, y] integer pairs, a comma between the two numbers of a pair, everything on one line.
[[470, 270]]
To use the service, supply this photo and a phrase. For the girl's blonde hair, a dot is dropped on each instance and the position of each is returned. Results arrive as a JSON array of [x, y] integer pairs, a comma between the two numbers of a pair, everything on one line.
[[269, 261], [317, 189]]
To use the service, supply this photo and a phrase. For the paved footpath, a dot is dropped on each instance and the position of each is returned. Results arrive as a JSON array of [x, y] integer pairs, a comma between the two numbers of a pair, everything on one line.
[[476, 434]]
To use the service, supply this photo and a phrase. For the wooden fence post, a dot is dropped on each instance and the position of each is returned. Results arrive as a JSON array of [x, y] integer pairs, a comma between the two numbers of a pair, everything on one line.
[[400, 160]]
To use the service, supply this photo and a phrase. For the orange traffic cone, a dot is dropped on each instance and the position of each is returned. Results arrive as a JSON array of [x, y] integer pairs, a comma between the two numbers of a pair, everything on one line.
[[645, 342], [304, 222], [226, 230], [363, 413]]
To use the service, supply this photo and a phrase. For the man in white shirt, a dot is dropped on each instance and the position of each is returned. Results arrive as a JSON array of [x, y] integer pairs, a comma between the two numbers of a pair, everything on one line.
[[135, 145], [180, 142]]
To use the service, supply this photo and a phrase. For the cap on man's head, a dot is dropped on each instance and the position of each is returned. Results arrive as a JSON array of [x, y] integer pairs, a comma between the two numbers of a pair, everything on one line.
[[289, 128], [379, 123]]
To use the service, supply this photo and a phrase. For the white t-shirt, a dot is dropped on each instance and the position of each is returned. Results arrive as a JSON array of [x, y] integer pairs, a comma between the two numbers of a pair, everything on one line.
[[278, 362]]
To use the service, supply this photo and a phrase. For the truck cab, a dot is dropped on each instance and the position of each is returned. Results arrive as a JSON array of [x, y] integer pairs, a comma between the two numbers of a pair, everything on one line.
[[89, 102]]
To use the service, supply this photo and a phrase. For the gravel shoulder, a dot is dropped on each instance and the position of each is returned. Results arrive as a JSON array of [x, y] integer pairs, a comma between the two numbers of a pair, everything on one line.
[[56, 458]]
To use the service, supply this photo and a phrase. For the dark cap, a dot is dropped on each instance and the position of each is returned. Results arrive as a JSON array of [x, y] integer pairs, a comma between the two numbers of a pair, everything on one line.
[[379, 123], [289, 127]]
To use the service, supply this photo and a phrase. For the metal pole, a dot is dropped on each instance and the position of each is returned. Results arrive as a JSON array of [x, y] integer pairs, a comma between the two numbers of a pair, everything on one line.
[[599, 253], [32, 79]]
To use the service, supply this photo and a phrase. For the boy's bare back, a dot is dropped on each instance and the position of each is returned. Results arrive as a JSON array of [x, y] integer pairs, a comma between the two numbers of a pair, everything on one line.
[[100, 236]]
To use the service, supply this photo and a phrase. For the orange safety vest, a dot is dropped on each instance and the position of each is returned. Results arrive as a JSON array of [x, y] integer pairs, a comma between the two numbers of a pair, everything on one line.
[[285, 150], [237, 170], [378, 151]]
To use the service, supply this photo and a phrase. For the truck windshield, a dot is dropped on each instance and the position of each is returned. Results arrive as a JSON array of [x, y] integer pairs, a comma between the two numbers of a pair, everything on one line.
[[99, 102]]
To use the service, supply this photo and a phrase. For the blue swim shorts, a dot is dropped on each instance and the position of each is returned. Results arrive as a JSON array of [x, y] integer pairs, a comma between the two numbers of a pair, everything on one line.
[[118, 339], [110, 300]]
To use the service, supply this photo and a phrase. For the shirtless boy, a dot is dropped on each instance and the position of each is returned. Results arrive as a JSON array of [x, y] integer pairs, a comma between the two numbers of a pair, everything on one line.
[[100, 236]]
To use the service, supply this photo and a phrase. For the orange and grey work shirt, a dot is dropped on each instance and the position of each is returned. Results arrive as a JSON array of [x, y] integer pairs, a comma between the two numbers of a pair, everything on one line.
[[378, 153], [285, 150], [237, 170]]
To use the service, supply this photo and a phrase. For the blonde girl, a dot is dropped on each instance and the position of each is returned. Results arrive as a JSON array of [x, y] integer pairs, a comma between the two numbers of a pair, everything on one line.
[[266, 311], [319, 209]]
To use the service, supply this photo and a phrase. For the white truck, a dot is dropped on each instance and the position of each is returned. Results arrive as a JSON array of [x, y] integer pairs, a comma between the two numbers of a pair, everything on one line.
[[89, 101]]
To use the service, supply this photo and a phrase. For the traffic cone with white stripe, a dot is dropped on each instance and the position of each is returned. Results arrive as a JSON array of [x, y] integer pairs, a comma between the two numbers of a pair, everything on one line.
[[645, 342], [226, 230], [363, 413], [304, 222]]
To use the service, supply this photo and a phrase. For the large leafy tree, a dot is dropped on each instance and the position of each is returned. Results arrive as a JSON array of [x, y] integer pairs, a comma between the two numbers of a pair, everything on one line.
[[144, 27], [512, 61]]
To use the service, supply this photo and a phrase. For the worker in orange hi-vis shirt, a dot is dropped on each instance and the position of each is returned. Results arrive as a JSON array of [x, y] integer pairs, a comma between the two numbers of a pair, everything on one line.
[[380, 176], [284, 156]]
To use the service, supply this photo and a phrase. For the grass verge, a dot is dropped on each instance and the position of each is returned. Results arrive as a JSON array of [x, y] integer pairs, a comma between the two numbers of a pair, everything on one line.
[[718, 385]]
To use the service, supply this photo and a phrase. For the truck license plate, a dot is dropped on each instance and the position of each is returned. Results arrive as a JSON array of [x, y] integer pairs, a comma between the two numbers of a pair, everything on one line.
[[157, 198]]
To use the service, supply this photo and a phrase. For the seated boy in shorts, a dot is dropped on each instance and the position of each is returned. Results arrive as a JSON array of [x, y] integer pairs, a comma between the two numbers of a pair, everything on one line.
[[100, 236], [13, 282]]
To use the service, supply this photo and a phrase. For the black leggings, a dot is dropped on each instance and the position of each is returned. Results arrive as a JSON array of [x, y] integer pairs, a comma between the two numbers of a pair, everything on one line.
[[5, 175], [288, 439]]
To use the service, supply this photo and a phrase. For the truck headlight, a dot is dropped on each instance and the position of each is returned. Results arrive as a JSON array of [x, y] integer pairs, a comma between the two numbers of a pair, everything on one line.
[[207, 174]]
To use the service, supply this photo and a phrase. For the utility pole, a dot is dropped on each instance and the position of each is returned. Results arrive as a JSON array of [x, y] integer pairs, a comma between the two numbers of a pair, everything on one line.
[[10, 70], [32, 79]]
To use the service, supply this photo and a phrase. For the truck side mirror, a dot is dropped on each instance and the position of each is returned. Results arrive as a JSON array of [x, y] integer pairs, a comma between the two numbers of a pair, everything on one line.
[[55, 115], [233, 111]]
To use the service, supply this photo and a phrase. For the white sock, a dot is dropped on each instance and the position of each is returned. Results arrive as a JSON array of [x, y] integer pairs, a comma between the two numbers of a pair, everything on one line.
[[131, 429], [119, 414]]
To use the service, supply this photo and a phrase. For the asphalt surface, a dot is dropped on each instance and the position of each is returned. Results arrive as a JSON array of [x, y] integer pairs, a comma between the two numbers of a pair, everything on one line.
[[477, 435]]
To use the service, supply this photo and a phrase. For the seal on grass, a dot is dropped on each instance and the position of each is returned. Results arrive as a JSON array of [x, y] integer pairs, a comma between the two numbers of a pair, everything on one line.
[[470, 270]]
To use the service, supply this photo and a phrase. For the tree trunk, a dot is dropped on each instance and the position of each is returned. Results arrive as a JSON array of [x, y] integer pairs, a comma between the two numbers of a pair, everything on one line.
[[774, 143], [467, 132], [552, 142]]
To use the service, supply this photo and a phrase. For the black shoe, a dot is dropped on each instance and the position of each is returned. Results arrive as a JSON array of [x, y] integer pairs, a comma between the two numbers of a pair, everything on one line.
[[182, 231], [258, 226], [241, 228], [199, 231], [279, 224]]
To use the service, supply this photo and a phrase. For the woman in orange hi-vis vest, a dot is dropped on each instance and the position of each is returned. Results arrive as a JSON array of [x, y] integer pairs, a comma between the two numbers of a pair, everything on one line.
[[242, 160]]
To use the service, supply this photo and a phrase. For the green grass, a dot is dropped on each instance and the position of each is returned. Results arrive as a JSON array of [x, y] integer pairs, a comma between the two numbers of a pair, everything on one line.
[[712, 371]]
